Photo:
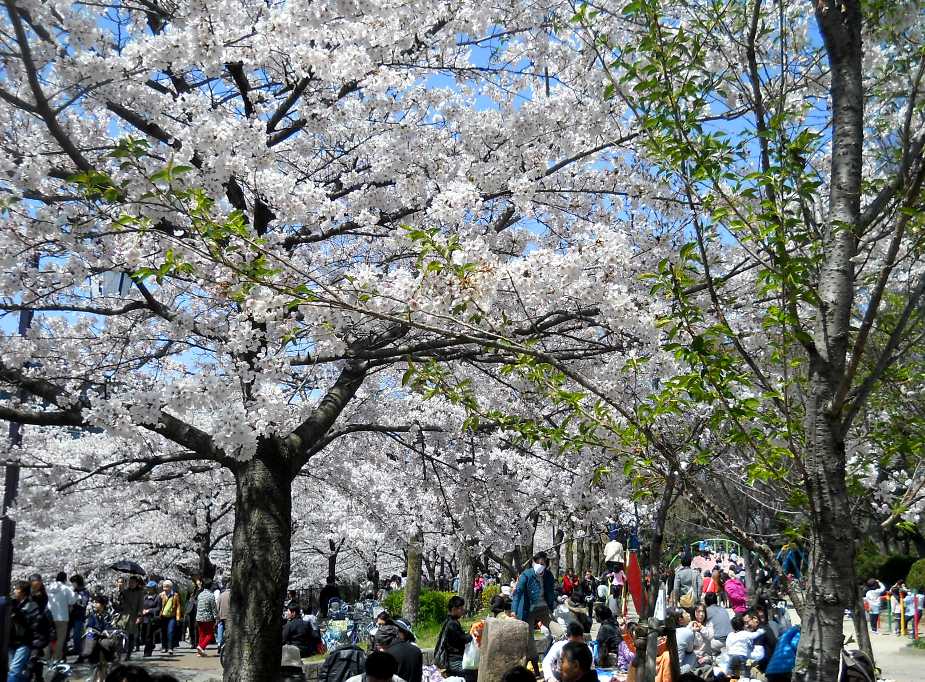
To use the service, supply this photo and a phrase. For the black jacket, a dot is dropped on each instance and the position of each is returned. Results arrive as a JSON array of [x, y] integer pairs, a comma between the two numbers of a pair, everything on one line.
[[410, 660], [28, 625], [455, 640], [300, 633]]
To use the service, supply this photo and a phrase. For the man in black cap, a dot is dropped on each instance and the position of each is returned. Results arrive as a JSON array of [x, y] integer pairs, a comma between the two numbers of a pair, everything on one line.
[[396, 640]]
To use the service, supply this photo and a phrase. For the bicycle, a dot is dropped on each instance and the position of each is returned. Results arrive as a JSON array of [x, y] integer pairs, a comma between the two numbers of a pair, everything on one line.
[[113, 651]]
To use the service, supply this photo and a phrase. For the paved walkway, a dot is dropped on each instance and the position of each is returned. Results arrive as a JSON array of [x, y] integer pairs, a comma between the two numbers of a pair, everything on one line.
[[897, 661], [185, 665]]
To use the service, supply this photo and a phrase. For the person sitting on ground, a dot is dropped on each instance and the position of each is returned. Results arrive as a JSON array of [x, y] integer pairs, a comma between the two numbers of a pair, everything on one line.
[[298, 632], [576, 663], [756, 619], [379, 667], [552, 671], [740, 645], [685, 640], [703, 636], [718, 617], [608, 637]]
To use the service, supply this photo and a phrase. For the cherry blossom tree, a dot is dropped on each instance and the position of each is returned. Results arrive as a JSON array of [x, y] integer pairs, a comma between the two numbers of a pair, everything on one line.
[[221, 215]]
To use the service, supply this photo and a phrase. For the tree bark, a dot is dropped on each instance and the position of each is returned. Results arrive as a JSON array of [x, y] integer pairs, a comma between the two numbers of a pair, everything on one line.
[[831, 587], [580, 562], [570, 556], [260, 566], [467, 578], [412, 599], [555, 560]]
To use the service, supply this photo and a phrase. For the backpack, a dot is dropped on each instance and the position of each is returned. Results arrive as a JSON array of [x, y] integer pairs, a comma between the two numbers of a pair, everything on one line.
[[441, 660], [856, 667], [342, 663]]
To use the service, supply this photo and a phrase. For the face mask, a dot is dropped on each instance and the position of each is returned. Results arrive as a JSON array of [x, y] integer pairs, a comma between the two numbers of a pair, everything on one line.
[[538, 569]]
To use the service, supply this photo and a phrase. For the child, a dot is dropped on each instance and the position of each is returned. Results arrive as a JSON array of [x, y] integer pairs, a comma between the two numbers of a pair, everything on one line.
[[739, 646]]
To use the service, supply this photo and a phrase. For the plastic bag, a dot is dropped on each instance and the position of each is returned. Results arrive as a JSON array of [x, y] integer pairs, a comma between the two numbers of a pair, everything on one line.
[[471, 656]]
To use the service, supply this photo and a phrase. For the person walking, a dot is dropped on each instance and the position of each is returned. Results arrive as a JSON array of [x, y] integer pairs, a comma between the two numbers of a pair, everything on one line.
[[206, 612], [150, 617], [60, 599], [79, 614], [222, 605], [687, 583], [28, 634], [534, 599], [190, 624], [171, 617], [132, 600]]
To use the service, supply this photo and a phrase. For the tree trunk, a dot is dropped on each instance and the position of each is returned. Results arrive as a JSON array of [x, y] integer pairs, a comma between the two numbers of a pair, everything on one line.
[[830, 578], [260, 567], [597, 555], [570, 556], [334, 547], [555, 560], [509, 559], [580, 563], [467, 578], [412, 599]]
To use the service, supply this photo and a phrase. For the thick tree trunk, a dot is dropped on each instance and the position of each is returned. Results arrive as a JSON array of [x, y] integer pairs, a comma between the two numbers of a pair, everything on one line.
[[569, 555], [831, 587], [412, 599], [597, 555], [467, 578], [260, 567]]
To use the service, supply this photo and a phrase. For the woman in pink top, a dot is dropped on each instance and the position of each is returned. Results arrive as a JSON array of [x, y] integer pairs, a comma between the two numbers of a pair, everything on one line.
[[737, 594]]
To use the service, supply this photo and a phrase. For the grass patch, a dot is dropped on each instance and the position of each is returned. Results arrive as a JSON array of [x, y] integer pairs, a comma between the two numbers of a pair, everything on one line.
[[918, 644]]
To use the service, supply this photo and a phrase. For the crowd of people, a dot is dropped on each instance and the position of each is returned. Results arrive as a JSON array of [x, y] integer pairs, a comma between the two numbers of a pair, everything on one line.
[[51, 622]]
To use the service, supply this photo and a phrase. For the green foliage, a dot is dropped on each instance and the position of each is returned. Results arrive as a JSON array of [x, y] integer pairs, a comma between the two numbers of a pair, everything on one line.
[[916, 576], [489, 593], [393, 601], [870, 562], [431, 610]]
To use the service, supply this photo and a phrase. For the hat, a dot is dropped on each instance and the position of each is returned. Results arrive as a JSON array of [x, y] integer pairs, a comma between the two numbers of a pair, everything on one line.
[[34, 577], [291, 657], [506, 590], [405, 627], [386, 635], [151, 585]]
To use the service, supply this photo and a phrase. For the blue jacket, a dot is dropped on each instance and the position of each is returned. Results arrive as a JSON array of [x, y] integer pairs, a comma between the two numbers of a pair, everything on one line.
[[532, 590], [785, 653]]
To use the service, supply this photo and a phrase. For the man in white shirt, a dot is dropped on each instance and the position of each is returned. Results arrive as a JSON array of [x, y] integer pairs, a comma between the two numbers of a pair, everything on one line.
[[552, 661], [60, 600], [613, 554]]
